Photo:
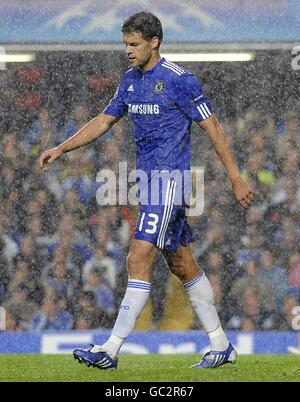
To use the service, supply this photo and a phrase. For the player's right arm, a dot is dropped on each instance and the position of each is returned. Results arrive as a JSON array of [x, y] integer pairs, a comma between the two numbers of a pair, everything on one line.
[[89, 133]]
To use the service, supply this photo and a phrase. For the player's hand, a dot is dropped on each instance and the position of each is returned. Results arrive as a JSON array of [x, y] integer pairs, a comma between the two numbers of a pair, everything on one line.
[[243, 193], [49, 156]]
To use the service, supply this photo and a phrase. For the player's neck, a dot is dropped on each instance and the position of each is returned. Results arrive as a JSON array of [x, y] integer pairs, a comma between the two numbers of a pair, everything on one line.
[[151, 63]]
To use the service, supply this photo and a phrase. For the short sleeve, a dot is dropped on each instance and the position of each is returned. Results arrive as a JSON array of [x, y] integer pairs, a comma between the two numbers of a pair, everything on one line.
[[117, 106], [191, 99]]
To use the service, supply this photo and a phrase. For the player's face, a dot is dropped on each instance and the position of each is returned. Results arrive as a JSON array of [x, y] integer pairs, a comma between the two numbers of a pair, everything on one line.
[[139, 51]]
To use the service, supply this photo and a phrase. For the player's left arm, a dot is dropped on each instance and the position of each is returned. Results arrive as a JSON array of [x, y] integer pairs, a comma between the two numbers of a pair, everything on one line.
[[243, 192]]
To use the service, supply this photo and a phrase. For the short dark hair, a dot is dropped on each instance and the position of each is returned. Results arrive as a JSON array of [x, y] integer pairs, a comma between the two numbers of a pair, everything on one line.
[[145, 23]]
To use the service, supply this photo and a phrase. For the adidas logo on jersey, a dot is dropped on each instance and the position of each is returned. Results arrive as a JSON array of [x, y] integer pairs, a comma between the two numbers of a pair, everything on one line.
[[168, 242], [130, 89]]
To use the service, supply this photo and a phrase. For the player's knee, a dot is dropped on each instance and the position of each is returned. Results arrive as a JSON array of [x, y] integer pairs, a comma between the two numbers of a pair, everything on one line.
[[134, 259], [137, 265], [185, 267], [130, 261], [179, 268], [181, 262]]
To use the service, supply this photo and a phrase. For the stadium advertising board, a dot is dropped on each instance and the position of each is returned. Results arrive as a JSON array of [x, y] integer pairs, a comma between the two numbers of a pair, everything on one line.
[[191, 21], [189, 342]]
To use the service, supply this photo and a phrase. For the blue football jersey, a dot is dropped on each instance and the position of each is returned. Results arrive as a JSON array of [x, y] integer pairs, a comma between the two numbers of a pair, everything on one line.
[[162, 104]]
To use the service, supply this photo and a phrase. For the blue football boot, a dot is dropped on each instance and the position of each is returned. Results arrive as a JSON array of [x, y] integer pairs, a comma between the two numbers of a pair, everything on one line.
[[214, 359], [100, 360]]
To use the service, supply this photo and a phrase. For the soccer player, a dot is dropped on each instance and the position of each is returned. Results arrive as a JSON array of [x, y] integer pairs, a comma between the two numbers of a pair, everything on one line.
[[162, 99]]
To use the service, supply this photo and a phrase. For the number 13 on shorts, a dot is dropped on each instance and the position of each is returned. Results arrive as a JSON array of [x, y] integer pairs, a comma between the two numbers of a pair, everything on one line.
[[148, 223]]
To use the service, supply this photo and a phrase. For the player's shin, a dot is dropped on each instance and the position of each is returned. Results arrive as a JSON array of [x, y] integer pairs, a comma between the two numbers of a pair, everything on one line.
[[135, 298], [201, 296]]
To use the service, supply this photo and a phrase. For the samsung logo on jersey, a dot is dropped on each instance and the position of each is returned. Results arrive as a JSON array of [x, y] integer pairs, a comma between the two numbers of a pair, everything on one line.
[[143, 109]]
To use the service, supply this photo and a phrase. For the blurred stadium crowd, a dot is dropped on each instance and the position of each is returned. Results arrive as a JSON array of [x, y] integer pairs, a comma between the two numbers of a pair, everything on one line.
[[62, 257]]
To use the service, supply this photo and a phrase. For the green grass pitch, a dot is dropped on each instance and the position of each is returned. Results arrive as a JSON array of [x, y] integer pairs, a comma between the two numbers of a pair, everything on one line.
[[148, 368]]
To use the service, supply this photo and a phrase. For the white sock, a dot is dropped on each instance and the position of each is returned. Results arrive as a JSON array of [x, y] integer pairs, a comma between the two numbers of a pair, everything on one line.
[[201, 297], [134, 301]]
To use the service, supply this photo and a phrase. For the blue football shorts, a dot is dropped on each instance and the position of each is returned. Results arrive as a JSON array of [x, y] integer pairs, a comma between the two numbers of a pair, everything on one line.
[[164, 225]]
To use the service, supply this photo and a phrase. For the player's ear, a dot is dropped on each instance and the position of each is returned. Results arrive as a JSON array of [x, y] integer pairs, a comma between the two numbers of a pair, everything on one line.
[[155, 42]]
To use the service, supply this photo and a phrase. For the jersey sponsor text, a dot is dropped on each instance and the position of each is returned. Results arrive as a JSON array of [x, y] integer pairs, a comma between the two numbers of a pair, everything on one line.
[[143, 109]]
